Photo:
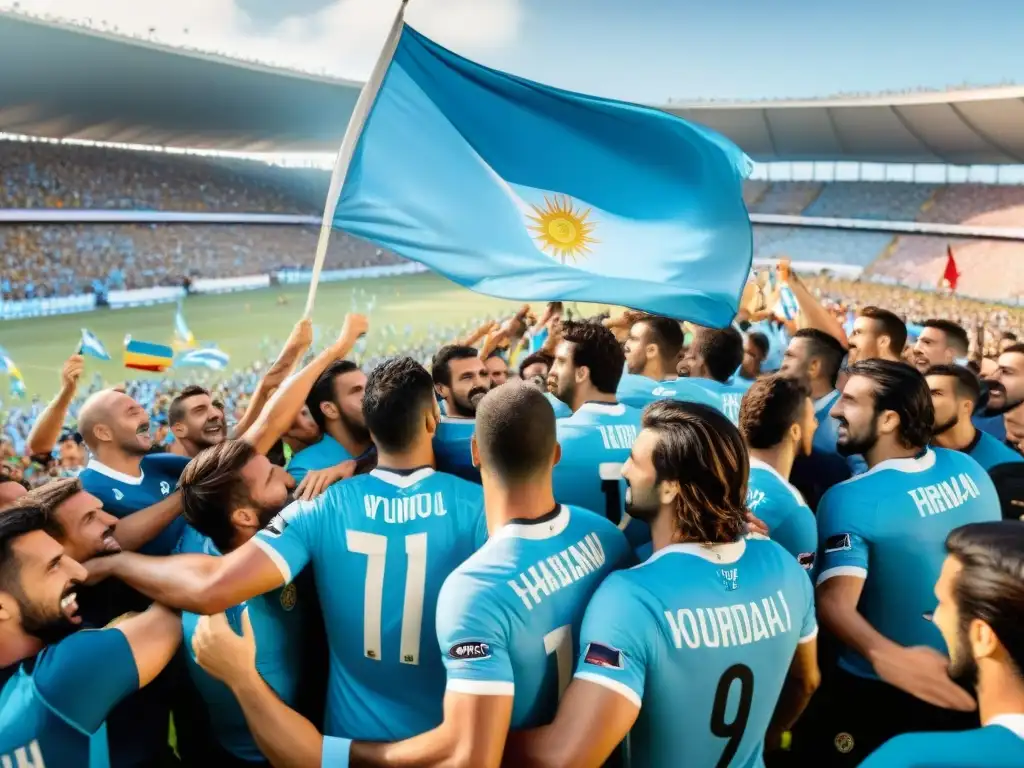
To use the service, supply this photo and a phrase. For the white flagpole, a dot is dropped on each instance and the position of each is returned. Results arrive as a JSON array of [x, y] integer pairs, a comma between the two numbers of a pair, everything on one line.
[[356, 123]]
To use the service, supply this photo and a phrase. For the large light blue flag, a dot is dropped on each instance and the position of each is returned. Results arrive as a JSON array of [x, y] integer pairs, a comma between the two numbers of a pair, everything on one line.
[[527, 192], [207, 357]]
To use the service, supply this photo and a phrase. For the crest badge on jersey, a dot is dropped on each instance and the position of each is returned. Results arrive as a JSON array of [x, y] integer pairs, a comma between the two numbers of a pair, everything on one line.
[[165, 487], [838, 543], [118, 495], [470, 650], [806, 560], [603, 656], [730, 578], [289, 597], [844, 743]]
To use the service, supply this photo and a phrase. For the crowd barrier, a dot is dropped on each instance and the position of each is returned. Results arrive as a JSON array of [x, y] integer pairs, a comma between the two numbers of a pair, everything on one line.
[[61, 305], [144, 297], [230, 284]]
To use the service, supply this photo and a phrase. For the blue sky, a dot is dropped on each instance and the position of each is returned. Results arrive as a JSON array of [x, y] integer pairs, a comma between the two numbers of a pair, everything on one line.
[[643, 50]]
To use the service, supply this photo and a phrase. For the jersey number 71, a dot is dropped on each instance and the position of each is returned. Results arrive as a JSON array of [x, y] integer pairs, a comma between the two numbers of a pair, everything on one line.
[[375, 547]]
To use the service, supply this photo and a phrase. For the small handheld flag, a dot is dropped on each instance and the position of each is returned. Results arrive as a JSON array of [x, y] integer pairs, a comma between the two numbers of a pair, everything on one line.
[[92, 346], [787, 305], [523, 191], [146, 356], [183, 338], [208, 357], [17, 383], [951, 274]]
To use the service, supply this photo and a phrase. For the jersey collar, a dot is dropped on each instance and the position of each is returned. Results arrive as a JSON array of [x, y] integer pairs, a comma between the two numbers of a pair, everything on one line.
[[720, 554], [546, 527], [612, 409], [1012, 722], [825, 400], [97, 466], [909, 465], [758, 464], [399, 479]]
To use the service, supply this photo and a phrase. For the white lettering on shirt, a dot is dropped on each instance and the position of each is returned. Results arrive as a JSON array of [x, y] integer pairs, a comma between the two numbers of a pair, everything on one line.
[[730, 625], [617, 436], [943, 496], [28, 756], [547, 576], [404, 509]]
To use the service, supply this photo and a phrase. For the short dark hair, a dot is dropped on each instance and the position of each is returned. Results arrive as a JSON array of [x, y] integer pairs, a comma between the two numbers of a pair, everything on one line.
[[721, 351], [397, 392], [15, 522], [1008, 335], [176, 410], [990, 585], [212, 488], [1017, 349], [48, 497], [967, 384], [761, 342], [536, 357], [770, 407], [956, 336], [902, 389], [515, 431], [826, 348], [322, 390], [892, 326], [596, 347], [666, 335], [440, 366], [699, 448]]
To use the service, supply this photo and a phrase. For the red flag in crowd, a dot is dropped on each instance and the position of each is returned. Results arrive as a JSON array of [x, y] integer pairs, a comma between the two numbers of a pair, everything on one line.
[[951, 275]]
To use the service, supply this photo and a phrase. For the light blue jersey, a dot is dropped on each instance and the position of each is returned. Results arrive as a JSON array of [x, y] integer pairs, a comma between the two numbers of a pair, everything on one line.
[[790, 521], [731, 393], [381, 545], [640, 391], [277, 621], [508, 618], [53, 707], [327, 453], [993, 424], [595, 441], [1000, 744], [991, 453], [701, 639], [824, 468], [452, 447], [889, 527], [122, 494]]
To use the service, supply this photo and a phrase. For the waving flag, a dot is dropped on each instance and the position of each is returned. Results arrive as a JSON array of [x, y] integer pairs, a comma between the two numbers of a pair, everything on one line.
[[17, 384], [92, 346], [950, 274], [523, 191], [183, 338], [787, 305], [208, 357], [146, 356]]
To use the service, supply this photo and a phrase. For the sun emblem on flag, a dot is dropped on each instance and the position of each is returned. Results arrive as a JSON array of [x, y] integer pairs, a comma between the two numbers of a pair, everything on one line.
[[561, 229]]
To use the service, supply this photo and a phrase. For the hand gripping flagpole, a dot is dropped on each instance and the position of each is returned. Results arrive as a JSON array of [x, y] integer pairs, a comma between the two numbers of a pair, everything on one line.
[[356, 123]]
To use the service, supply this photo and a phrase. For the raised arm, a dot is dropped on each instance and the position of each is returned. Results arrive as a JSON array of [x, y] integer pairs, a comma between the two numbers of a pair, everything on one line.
[[812, 314], [139, 528], [46, 431], [279, 414], [194, 583], [153, 636]]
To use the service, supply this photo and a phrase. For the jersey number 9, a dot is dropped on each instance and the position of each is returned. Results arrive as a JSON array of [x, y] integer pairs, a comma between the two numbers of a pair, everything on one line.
[[733, 730]]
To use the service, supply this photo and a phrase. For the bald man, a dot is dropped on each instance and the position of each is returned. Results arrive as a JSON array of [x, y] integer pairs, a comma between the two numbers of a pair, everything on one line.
[[10, 492]]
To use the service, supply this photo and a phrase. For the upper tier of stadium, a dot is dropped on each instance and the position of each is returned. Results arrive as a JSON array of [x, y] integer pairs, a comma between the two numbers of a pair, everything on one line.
[[66, 82]]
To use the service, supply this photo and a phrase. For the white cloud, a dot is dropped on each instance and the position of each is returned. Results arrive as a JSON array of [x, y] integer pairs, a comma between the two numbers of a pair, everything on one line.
[[342, 38]]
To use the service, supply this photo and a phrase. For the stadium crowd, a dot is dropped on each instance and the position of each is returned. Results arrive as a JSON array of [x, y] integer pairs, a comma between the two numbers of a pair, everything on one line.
[[571, 541]]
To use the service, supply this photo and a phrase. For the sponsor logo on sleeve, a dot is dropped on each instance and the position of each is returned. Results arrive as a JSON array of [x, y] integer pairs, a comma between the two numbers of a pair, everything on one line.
[[806, 560], [603, 656], [839, 543], [470, 650], [276, 526]]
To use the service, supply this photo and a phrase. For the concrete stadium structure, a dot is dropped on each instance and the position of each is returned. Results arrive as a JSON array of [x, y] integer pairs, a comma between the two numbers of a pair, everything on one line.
[[67, 82]]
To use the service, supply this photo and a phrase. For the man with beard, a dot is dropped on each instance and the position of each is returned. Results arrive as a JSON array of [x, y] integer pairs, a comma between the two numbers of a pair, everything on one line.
[[461, 380], [777, 423], [881, 538], [497, 369], [711, 360], [597, 437], [336, 404], [712, 616], [942, 342], [653, 351], [400, 530], [195, 421], [1005, 392], [816, 356], [955, 394], [755, 351], [877, 334], [980, 599], [59, 685], [534, 370]]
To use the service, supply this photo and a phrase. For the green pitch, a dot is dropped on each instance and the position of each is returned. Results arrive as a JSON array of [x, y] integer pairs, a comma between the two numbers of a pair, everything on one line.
[[241, 323]]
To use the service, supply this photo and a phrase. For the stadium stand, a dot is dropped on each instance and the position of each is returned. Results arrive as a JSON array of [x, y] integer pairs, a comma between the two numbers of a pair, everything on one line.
[[821, 245], [888, 201], [787, 198]]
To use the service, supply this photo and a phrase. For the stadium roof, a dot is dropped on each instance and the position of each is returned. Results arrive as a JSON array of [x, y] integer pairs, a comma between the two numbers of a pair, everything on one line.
[[66, 82]]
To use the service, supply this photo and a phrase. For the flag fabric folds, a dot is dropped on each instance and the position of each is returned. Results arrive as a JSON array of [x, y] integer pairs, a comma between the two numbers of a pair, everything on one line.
[[208, 357], [183, 338], [17, 382], [147, 356], [528, 192], [951, 274], [787, 305], [92, 346]]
